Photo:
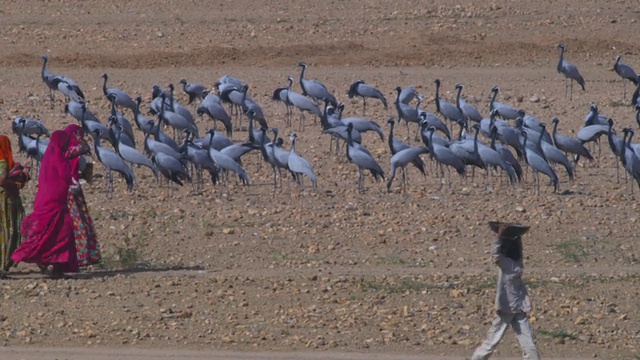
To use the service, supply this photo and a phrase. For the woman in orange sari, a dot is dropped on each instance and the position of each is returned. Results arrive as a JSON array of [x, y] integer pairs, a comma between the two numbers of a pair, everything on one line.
[[12, 178]]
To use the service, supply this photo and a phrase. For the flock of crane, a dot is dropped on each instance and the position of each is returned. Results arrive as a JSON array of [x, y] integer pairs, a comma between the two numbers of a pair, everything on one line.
[[186, 152]]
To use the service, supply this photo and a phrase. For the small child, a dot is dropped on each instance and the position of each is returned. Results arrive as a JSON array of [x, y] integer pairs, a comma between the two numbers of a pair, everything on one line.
[[512, 301]]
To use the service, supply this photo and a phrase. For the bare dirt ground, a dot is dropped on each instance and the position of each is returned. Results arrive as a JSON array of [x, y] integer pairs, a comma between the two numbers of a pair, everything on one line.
[[245, 270]]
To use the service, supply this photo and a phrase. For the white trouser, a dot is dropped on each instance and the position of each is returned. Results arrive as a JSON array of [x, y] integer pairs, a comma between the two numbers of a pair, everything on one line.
[[522, 328]]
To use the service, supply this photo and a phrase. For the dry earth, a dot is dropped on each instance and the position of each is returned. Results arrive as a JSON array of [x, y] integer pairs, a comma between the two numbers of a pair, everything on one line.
[[247, 269]]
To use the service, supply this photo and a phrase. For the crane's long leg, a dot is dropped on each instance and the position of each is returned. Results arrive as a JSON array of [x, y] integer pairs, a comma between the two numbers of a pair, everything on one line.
[[364, 105], [624, 89]]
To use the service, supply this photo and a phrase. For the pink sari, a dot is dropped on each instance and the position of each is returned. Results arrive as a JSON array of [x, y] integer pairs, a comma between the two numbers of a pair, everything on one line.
[[47, 233]]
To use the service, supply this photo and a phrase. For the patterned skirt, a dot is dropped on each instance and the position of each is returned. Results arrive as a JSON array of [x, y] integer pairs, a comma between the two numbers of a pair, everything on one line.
[[11, 214], [87, 248]]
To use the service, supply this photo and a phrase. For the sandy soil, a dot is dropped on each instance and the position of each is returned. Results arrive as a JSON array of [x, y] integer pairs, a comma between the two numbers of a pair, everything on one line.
[[331, 271]]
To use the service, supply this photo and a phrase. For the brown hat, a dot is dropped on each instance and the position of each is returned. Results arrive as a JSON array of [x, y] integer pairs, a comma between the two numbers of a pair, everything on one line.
[[508, 230]]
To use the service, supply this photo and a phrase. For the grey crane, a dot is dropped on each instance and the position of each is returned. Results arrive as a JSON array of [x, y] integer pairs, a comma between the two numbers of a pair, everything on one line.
[[47, 78], [487, 123], [362, 159], [225, 162], [401, 159], [491, 158], [142, 122], [538, 164], [506, 154], [249, 104], [171, 168], [157, 103], [406, 112], [74, 109], [178, 108], [363, 125], [466, 150], [275, 156], [615, 144], [217, 140], [176, 121], [360, 88], [113, 123], [594, 117], [444, 156], [91, 126], [629, 159], [408, 94], [568, 144], [635, 97], [396, 146], [569, 71], [626, 72], [299, 165], [112, 162], [447, 109], [54, 82], [200, 158], [131, 154], [123, 121], [469, 111], [506, 111], [154, 146], [279, 155], [28, 126], [211, 106], [301, 102], [553, 154], [34, 148], [592, 133], [193, 90], [122, 98], [230, 80], [434, 121], [70, 92], [280, 95], [314, 88]]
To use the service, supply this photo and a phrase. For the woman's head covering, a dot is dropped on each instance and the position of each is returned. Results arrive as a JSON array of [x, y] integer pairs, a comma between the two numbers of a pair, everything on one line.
[[508, 230], [5, 152], [73, 131], [510, 238], [54, 178]]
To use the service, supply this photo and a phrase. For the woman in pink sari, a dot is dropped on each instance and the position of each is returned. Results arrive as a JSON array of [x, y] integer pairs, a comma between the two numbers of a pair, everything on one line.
[[87, 249], [47, 233]]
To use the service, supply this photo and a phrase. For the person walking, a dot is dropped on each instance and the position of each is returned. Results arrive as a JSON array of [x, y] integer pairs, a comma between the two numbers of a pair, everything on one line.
[[512, 300], [13, 176], [87, 248], [47, 233]]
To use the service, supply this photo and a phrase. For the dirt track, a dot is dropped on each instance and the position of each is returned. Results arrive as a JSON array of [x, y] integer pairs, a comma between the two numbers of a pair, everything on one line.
[[244, 269]]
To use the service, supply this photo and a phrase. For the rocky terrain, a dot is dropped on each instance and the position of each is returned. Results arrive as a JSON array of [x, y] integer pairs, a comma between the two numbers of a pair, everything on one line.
[[247, 269]]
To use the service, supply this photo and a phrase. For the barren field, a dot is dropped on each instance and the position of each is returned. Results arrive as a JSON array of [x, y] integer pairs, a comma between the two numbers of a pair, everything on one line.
[[405, 273]]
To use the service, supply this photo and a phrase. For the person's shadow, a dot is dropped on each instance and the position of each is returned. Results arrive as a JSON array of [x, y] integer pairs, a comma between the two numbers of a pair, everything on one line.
[[100, 273]]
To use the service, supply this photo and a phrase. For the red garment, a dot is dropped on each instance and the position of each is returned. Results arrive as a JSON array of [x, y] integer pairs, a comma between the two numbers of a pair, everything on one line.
[[47, 233], [72, 131]]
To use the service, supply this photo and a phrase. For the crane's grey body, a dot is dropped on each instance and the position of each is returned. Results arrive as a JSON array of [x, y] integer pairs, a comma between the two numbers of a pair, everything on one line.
[[212, 106], [359, 88], [568, 144], [112, 162], [142, 122], [314, 88], [629, 159], [301, 102], [401, 159], [225, 162], [447, 109], [131, 154], [363, 125], [569, 71], [626, 72], [505, 111], [122, 99], [554, 155], [538, 163], [362, 159], [74, 108], [444, 156], [469, 111], [193, 90], [299, 165]]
